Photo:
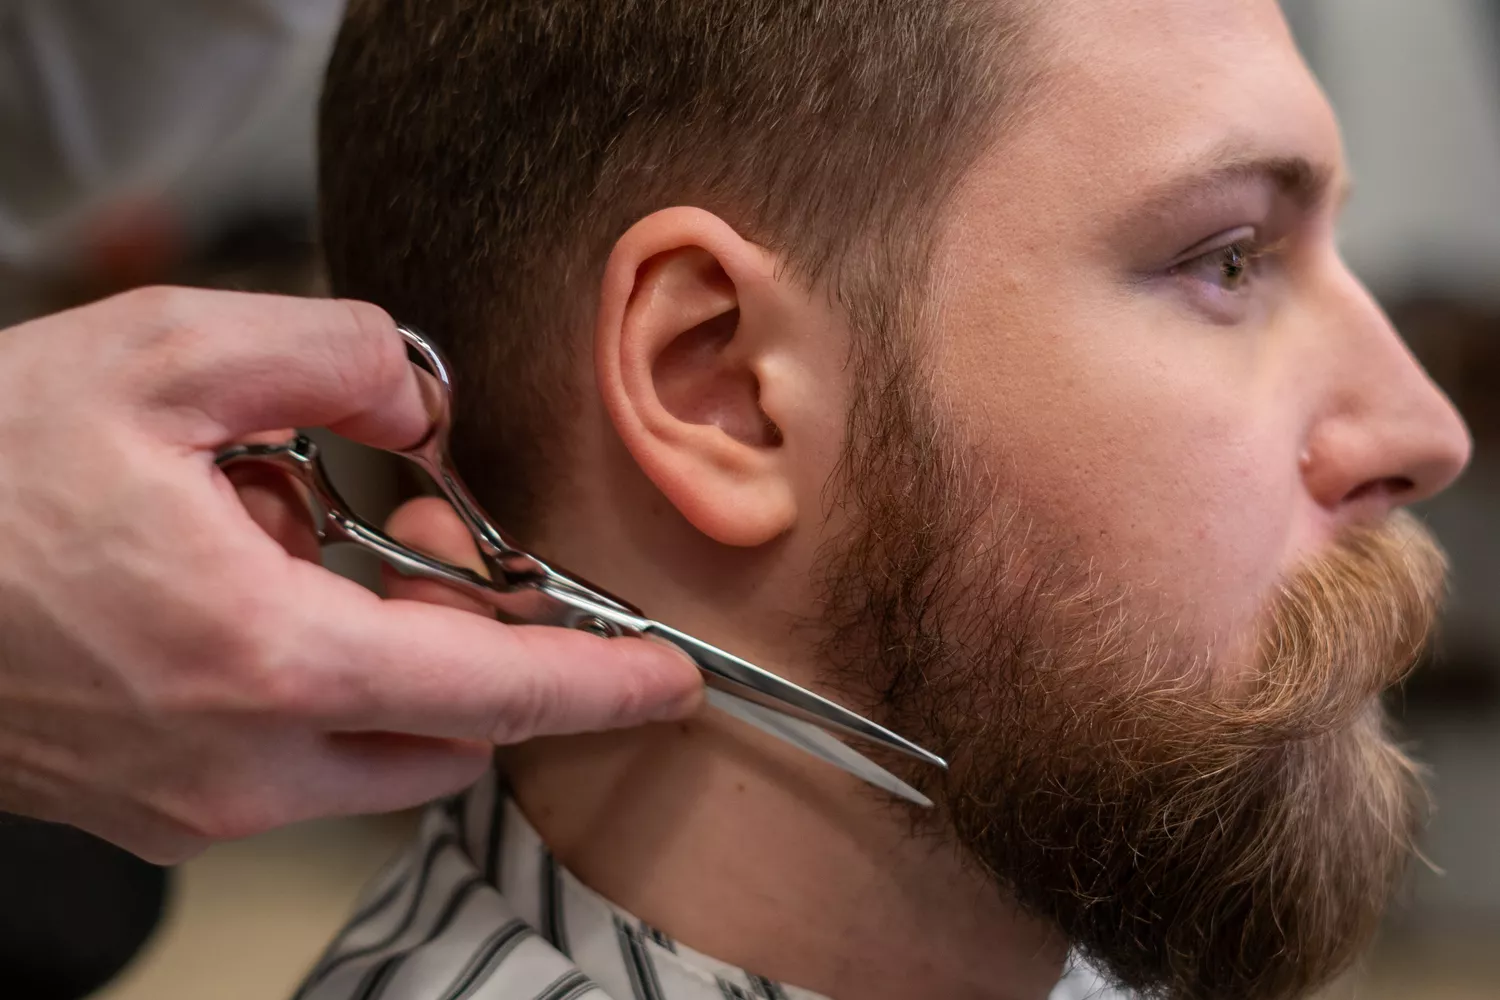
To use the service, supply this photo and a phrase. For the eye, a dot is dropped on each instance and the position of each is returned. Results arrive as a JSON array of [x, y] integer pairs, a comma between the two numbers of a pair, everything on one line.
[[1227, 278], [1229, 267]]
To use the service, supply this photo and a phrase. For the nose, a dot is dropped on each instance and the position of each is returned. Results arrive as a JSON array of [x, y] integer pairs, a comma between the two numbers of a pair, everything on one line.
[[1387, 435]]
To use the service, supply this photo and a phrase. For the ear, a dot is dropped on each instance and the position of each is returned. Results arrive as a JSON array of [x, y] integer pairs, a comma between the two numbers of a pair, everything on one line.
[[689, 357]]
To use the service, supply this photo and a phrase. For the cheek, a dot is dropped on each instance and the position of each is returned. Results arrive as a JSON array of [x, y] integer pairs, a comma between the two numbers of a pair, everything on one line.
[[1167, 470]]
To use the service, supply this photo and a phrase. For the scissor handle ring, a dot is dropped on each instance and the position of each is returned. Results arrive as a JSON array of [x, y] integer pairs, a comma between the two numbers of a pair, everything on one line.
[[431, 357]]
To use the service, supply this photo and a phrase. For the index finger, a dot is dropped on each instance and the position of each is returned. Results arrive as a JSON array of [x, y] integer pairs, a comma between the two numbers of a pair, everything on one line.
[[415, 668], [252, 362]]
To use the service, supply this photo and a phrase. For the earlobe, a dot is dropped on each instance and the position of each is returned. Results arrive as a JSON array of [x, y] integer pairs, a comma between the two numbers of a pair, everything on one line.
[[680, 359]]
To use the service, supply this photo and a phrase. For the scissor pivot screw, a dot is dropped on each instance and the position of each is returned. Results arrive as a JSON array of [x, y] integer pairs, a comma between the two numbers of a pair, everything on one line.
[[596, 626]]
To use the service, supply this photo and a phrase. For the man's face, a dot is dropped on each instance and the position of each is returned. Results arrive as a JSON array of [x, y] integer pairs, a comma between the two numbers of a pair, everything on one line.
[[1127, 553], [1156, 344]]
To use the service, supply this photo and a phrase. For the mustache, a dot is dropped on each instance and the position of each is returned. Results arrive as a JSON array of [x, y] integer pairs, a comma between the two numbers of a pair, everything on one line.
[[1347, 626], [1352, 623]]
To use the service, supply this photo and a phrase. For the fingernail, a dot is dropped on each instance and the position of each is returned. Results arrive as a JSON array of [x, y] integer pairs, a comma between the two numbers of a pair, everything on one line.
[[690, 698], [683, 705], [687, 701]]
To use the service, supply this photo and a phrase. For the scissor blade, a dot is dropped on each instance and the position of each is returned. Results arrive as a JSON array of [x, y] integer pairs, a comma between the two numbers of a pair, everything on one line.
[[809, 738], [751, 683]]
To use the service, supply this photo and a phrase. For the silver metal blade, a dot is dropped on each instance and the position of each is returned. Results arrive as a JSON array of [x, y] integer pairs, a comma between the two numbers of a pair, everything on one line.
[[809, 738], [747, 682]]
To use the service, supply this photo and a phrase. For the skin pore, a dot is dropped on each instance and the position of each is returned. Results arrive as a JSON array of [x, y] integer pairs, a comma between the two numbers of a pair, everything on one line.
[[1142, 336]]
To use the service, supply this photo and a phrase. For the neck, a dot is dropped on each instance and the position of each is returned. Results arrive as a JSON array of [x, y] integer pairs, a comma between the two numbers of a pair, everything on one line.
[[734, 845]]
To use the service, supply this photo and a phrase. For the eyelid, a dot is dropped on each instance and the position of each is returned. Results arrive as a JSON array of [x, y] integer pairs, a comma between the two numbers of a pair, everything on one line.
[[1229, 237]]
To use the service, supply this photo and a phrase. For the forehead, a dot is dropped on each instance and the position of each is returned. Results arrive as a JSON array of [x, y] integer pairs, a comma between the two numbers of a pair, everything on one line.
[[1130, 91]]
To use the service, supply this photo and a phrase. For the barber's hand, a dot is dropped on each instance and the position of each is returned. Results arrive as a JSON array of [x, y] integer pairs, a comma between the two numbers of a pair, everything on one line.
[[171, 673]]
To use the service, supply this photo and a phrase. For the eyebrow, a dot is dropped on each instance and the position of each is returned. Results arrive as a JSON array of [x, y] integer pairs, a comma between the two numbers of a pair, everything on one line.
[[1307, 184]]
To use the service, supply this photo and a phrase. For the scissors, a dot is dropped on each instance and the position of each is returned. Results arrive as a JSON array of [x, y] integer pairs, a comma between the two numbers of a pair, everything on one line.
[[524, 588]]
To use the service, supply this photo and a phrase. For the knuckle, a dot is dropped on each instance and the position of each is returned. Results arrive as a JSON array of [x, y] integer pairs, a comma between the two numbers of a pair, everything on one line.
[[173, 849], [231, 662], [164, 335], [162, 314], [266, 679], [283, 679], [283, 691], [528, 710], [226, 811], [633, 696], [151, 300], [370, 320], [376, 354], [240, 818], [238, 646], [226, 821]]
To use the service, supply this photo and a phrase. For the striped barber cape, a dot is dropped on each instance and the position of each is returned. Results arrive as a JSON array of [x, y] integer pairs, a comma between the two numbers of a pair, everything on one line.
[[436, 926]]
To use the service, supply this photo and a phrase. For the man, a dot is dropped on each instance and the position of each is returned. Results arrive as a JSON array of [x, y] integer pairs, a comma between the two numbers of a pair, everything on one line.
[[989, 365]]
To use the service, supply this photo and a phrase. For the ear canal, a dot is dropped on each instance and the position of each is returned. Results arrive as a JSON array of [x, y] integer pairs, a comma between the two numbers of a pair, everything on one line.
[[773, 434]]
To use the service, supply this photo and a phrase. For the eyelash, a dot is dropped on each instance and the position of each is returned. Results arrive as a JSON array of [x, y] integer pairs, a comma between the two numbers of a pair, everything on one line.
[[1234, 262]]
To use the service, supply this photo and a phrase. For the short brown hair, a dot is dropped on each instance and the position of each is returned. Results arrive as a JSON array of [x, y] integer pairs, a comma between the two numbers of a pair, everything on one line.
[[479, 158]]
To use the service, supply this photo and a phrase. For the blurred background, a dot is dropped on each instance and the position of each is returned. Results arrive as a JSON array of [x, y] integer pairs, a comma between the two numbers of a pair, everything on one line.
[[173, 141]]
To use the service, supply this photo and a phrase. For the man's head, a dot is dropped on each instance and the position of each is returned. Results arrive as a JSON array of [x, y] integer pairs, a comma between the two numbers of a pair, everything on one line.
[[991, 362]]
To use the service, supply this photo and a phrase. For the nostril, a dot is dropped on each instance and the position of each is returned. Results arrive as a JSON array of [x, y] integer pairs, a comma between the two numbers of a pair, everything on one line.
[[1388, 488]]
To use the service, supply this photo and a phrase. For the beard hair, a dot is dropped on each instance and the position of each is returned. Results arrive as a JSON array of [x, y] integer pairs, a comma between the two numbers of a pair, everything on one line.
[[1195, 838]]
